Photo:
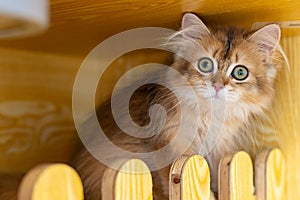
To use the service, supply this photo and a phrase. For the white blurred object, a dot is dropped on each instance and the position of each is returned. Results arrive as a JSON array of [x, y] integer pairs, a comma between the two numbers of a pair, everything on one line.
[[23, 17]]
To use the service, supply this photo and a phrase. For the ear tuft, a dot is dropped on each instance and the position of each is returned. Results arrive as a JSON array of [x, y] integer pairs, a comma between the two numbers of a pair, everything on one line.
[[267, 37], [192, 26]]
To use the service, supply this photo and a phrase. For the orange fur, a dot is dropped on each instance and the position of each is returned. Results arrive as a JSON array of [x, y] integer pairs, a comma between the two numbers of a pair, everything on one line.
[[243, 102]]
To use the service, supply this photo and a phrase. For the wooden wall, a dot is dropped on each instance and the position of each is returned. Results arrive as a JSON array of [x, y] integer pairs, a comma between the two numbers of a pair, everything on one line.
[[286, 113], [36, 122]]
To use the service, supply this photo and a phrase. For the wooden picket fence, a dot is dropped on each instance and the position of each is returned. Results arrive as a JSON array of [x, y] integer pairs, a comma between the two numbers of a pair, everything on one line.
[[189, 180]]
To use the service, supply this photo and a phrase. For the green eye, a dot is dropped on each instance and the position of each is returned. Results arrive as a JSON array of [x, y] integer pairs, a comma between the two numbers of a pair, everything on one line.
[[240, 73], [205, 65]]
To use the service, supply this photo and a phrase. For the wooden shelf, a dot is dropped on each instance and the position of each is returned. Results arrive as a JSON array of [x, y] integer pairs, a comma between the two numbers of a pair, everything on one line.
[[78, 26]]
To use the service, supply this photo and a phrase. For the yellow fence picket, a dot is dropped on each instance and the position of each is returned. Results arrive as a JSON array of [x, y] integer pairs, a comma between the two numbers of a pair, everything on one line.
[[190, 179], [51, 181], [132, 181], [270, 175], [236, 177]]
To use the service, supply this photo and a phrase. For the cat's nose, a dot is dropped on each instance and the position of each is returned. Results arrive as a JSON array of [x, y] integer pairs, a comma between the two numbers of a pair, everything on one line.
[[218, 86]]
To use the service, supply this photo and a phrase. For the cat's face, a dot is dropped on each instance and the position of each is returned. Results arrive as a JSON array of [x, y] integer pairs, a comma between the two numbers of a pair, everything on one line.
[[229, 67]]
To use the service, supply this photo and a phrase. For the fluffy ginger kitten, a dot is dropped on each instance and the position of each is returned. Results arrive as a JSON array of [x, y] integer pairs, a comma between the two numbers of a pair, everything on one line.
[[232, 73]]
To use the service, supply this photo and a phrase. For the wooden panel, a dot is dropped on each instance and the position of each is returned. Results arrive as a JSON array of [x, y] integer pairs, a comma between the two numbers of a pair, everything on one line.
[[236, 171], [190, 179], [196, 179], [285, 113], [275, 176], [270, 175], [224, 177], [78, 26], [36, 123], [131, 181], [241, 177], [175, 189], [51, 181]]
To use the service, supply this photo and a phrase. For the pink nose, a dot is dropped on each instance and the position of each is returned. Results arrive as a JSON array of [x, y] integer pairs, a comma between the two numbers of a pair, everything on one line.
[[218, 86]]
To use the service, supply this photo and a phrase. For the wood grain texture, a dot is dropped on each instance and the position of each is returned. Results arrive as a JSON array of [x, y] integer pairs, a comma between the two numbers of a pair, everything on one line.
[[270, 175], [78, 26], [131, 181], [224, 177], [175, 189], [196, 179], [190, 179], [276, 174], [239, 178], [261, 174], [49, 182], [36, 123], [286, 111]]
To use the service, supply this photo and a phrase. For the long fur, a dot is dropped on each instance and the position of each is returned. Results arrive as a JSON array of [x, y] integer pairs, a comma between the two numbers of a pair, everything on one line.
[[224, 124]]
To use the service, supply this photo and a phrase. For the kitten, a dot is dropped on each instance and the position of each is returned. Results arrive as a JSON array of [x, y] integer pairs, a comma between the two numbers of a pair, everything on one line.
[[232, 73]]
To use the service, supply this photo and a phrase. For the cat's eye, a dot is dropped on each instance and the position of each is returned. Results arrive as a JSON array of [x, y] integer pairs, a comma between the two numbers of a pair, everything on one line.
[[205, 65], [240, 72]]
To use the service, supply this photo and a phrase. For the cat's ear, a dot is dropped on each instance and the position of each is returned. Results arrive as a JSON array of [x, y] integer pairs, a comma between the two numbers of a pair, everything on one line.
[[192, 26], [267, 38]]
